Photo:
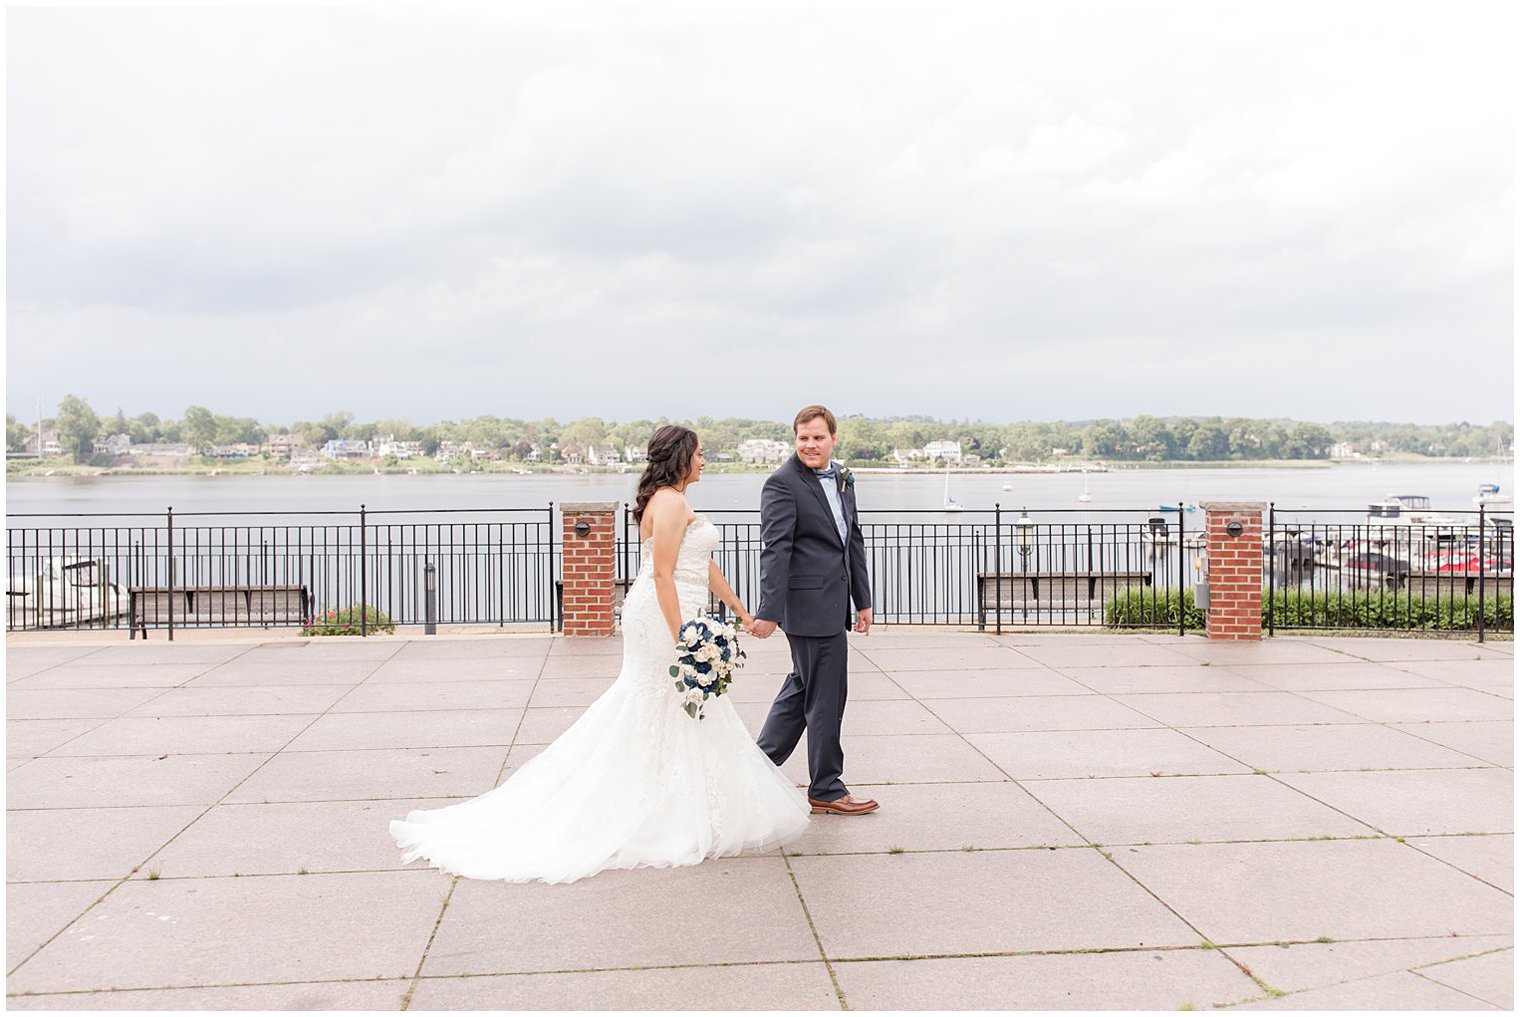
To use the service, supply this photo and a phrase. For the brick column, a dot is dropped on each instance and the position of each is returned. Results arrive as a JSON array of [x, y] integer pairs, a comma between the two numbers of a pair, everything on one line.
[[1234, 569], [588, 566]]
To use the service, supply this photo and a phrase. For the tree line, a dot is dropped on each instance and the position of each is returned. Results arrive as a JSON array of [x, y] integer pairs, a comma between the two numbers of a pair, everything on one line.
[[861, 439]]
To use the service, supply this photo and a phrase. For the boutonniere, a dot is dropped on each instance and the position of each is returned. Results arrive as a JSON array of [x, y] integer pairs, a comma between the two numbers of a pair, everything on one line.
[[846, 478]]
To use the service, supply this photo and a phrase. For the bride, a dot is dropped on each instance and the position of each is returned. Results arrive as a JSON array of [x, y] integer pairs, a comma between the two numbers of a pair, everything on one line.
[[635, 781]]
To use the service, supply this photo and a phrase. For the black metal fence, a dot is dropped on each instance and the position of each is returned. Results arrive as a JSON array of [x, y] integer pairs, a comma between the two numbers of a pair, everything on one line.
[[1438, 572], [201, 570], [995, 569]]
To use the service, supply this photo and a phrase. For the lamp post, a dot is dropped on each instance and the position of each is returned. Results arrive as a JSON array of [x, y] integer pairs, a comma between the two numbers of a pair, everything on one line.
[[430, 599], [1023, 527]]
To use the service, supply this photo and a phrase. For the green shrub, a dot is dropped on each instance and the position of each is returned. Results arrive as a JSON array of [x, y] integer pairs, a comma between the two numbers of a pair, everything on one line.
[[1385, 609], [1151, 608], [345, 622], [1322, 610]]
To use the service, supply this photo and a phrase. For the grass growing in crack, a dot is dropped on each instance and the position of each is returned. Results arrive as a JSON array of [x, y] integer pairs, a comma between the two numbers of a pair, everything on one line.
[[896, 849], [154, 872], [1324, 939], [1187, 1006], [1207, 945], [968, 847], [303, 871]]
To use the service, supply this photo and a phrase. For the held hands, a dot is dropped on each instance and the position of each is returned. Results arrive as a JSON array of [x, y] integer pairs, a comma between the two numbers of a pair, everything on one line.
[[760, 628]]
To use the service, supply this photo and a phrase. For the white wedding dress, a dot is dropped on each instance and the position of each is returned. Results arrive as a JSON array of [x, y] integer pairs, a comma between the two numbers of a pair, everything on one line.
[[635, 781]]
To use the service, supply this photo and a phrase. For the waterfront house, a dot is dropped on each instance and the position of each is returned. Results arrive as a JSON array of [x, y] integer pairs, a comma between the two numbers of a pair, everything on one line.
[[947, 451], [902, 456], [163, 449], [601, 455], [237, 450], [389, 446], [115, 445], [761, 450], [346, 449], [636, 453], [450, 450], [280, 446]]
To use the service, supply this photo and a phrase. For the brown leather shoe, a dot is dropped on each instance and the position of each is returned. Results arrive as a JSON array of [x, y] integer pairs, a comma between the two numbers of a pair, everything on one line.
[[849, 805]]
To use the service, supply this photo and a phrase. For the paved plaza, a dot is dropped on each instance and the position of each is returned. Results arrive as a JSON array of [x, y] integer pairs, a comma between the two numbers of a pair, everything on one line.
[[1068, 821]]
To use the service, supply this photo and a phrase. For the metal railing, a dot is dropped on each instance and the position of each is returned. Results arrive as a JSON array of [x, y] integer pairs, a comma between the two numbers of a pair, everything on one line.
[[997, 569], [1446, 572], [224, 569]]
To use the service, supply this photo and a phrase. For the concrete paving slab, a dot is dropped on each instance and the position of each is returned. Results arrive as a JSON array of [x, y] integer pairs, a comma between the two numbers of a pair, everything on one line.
[[156, 736], [27, 738], [1414, 802], [385, 994], [1211, 709], [911, 637], [585, 666], [160, 653], [938, 817], [1476, 673], [1132, 980], [307, 672], [1291, 748], [728, 910], [542, 724], [58, 704], [988, 683], [907, 759], [1344, 889], [1136, 810], [1279, 650], [285, 838], [969, 658], [1299, 966], [1134, 753], [189, 932], [1118, 680], [373, 773], [1413, 649], [1489, 857], [1402, 991], [412, 671], [117, 676], [242, 701], [1055, 653], [1392, 706], [1358, 674], [419, 729], [800, 986], [584, 646], [1037, 713], [426, 648], [85, 782], [1490, 977], [102, 843], [891, 717], [35, 912], [30, 659], [871, 906], [409, 698], [328, 648], [1492, 741], [570, 691]]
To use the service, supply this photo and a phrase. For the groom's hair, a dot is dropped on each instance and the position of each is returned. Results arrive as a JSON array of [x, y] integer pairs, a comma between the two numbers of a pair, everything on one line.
[[812, 412]]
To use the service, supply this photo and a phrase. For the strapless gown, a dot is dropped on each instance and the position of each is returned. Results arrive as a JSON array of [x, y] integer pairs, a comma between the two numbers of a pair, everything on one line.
[[634, 782]]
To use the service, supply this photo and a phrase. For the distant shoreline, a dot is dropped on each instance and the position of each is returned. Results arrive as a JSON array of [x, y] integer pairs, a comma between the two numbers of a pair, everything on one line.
[[60, 470]]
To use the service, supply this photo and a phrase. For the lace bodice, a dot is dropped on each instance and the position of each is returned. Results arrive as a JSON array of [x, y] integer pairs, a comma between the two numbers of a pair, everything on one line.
[[696, 550]]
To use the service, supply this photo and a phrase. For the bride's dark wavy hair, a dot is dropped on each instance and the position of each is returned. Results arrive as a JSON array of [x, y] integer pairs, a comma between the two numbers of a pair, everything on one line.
[[671, 450]]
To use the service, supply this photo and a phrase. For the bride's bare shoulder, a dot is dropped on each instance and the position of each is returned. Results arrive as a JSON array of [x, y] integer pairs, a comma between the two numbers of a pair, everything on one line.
[[669, 504]]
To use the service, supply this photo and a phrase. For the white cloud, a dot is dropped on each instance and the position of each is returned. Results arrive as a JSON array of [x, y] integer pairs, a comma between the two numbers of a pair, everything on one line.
[[1011, 210]]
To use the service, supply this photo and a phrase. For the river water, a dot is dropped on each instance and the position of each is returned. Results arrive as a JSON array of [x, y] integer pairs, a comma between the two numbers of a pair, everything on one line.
[[1312, 491]]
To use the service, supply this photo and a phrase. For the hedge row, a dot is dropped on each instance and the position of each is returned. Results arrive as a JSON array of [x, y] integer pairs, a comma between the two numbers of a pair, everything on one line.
[[1352, 610]]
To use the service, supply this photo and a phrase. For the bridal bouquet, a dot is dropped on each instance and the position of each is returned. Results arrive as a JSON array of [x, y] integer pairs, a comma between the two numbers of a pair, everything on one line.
[[708, 654]]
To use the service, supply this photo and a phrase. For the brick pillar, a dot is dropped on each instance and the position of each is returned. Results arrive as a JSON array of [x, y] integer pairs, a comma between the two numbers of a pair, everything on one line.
[[588, 566], [1234, 569]]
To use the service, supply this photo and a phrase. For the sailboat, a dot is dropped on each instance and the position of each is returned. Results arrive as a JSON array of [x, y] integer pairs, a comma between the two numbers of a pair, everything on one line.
[[1084, 497], [951, 505]]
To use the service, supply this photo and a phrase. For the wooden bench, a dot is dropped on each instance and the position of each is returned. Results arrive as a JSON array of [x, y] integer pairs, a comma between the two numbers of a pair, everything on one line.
[[1017, 591], [199, 606]]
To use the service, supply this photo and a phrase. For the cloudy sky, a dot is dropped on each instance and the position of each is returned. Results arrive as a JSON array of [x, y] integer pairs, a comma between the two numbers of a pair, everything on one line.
[[1012, 211]]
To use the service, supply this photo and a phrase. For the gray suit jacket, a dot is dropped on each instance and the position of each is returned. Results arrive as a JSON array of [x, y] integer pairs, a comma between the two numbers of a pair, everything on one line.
[[808, 576]]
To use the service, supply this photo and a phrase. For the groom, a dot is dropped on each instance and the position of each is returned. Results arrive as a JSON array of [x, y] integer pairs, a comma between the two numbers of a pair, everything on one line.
[[812, 565]]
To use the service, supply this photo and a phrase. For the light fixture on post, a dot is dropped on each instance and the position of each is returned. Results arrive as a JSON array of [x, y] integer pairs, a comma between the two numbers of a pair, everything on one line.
[[1023, 528]]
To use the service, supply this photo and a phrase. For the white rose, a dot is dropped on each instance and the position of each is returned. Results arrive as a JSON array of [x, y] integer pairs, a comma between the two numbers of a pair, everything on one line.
[[705, 680], [694, 697]]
